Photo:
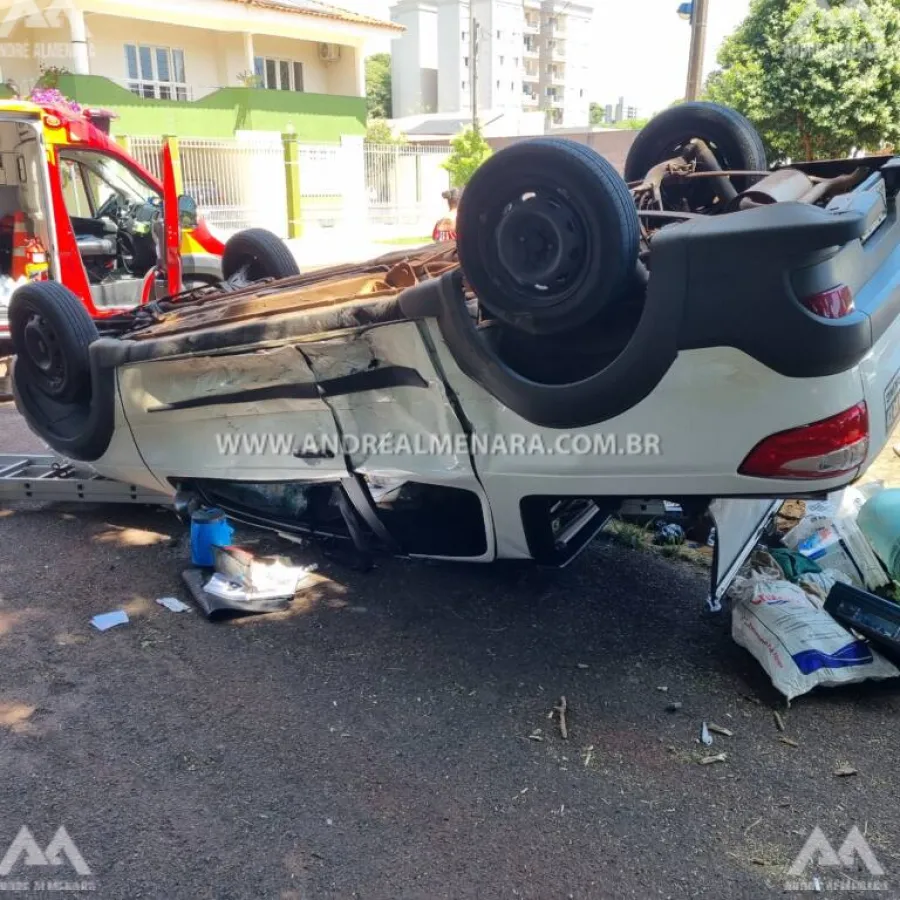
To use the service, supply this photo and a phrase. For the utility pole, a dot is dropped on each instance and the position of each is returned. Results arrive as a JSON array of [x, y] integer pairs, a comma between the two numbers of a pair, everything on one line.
[[699, 13], [473, 65]]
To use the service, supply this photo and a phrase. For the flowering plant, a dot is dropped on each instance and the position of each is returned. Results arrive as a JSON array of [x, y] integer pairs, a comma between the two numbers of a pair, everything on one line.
[[53, 97]]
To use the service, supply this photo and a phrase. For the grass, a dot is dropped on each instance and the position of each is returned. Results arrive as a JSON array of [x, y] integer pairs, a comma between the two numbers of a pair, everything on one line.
[[634, 537]]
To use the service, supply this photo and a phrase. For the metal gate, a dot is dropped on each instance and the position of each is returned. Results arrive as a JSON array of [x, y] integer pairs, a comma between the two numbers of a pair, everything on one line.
[[237, 183]]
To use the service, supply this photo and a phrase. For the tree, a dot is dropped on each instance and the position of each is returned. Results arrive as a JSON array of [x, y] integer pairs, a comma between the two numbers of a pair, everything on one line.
[[378, 86], [598, 114], [817, 79], [379, 132], [598, 117], [468, 151]]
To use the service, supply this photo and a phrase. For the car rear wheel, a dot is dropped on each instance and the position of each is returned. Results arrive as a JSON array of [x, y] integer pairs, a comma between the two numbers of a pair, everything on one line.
[[733, 140], [52, 333], [547, 235], [256, 254]]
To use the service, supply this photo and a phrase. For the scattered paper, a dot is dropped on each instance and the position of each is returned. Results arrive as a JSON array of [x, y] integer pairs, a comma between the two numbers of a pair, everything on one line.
[[705, 736], [276, 583], [173, 604], [109, 620]]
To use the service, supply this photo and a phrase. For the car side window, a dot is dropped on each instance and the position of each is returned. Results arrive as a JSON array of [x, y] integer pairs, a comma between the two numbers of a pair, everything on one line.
[[102, 191], [109, 181], [75, 192]]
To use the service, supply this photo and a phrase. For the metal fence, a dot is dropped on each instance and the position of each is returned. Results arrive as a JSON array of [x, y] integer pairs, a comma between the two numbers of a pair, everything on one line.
[[404, 185], [238, 183], [385, 190], [146, 151], [325, 174]]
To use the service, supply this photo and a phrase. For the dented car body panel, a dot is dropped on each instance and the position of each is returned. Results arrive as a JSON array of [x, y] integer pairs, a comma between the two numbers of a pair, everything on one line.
[[385, 403]]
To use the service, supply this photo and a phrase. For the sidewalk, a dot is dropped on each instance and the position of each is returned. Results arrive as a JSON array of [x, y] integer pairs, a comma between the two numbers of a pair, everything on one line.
[[319, 251], [321, 248]]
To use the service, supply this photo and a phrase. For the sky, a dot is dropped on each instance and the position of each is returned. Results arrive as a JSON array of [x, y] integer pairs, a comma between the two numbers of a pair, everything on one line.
[[641, 46]]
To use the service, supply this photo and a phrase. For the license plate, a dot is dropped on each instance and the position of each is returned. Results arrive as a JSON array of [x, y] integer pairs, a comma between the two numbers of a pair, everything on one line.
[[892, 403]]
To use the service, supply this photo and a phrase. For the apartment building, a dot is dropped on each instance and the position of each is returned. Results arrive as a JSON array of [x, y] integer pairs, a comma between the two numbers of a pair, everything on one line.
[[531, 55]]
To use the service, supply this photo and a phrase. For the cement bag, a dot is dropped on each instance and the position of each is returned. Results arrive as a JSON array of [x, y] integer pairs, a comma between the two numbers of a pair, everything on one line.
[[798, 644]]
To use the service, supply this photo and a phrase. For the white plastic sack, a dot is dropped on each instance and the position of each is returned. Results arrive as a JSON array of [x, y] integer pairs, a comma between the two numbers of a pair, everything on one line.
[[830, 536], [819, 584], [798, 644]]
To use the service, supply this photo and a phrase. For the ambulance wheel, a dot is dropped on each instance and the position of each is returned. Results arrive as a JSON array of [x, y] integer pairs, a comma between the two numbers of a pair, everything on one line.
[[257, 254], [52, 332], [547, 235]]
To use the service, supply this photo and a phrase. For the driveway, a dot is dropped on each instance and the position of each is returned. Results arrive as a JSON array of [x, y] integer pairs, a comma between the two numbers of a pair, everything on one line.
[[391, 736]]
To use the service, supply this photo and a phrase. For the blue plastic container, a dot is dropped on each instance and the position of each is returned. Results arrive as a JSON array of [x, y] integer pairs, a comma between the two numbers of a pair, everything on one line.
[[879, 521], [209, 528]]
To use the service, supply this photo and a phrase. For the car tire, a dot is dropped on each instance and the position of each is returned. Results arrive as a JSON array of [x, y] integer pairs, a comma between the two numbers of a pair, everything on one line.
[[733, 140], [260, 253], [52, 332], [547, 234]]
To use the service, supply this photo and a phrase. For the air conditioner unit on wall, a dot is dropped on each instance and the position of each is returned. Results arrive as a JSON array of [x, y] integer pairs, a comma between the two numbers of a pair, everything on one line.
[[329, 52]]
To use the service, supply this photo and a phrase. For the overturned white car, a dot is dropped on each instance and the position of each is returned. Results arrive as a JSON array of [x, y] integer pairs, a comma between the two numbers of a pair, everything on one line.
[[710, 332]]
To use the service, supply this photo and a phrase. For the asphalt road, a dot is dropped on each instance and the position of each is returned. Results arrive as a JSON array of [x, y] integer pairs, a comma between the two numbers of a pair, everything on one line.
[[389, 737]]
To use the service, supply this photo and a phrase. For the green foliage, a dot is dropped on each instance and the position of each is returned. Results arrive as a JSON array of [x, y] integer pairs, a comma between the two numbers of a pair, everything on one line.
[[49, 77], [379, 132], [817, 80], [250, 79], [629, 124], [378, 86], [468, 151], [598, 117]]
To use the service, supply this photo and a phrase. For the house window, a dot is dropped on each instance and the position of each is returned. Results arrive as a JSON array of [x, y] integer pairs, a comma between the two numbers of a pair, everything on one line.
[[465, 35], [279, 74], [499, 35], [156, 72], [502, 60], [466, 61]]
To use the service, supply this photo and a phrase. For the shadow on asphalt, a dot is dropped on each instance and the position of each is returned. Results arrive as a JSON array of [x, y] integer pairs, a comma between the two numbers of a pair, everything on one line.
[[394, 735]]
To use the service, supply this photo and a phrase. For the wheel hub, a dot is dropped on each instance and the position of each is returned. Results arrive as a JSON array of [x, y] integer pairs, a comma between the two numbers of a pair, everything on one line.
[[541, 243], [43, 349]]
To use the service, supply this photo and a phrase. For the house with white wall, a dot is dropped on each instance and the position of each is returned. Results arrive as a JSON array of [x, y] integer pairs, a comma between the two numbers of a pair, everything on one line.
[[198, 67]]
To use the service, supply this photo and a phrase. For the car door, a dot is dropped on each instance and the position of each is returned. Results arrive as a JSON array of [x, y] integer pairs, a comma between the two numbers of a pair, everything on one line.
[[739, 525], [171, 250]]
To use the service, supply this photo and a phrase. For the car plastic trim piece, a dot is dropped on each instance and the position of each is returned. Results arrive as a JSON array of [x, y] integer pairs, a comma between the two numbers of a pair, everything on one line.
[[371, 380]]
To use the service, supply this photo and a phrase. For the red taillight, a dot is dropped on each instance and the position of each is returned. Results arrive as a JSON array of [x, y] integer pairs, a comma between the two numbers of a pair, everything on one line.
[[826, 449], [835, 303]]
